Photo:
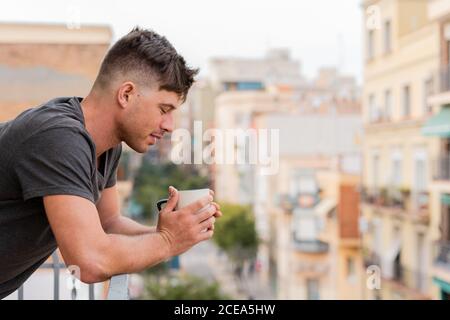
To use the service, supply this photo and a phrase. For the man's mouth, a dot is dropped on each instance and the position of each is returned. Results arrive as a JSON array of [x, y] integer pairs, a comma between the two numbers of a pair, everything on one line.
[[157, 136]]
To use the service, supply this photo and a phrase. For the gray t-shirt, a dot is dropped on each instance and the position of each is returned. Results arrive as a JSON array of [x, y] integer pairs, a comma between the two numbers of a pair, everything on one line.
[[46, 150]]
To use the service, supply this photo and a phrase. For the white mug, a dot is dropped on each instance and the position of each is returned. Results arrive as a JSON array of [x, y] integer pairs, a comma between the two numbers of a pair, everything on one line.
[[185, 197]]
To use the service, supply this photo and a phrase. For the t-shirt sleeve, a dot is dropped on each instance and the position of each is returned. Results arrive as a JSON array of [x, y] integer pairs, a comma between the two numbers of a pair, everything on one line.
[[56, 161], [112, 178]]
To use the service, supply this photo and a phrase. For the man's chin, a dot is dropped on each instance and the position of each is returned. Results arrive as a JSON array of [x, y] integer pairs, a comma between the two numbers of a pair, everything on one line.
[[143, 148]]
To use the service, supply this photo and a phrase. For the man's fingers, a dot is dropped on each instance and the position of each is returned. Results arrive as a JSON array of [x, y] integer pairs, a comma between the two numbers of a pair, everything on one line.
[[218, 213], [173, 200], [207, 223], [206, 235], [206, 213], [197, 205]]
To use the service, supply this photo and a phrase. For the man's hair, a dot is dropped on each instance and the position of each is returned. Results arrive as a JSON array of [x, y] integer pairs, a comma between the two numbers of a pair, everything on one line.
[[148, 59]]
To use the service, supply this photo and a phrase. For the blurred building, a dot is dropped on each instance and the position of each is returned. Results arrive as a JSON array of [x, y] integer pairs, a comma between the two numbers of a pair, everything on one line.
[[277, 68], [437, 129], [41, 61], [310, 207], [401, 54], [271, 93]]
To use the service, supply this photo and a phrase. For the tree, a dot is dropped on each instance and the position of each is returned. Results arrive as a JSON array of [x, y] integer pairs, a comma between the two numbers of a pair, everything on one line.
[[180, 287], [235, 233], [152, 181]]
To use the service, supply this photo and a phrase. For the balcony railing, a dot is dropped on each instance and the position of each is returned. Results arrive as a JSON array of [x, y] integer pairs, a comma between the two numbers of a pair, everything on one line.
[[118, 286], [442, 254], [311, 246], [386, 197], [415, 202]]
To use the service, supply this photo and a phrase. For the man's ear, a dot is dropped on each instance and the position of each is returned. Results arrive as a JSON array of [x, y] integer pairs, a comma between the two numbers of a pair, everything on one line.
[[125, 93]]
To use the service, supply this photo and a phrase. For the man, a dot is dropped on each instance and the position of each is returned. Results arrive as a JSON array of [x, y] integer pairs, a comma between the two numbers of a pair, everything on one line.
[[58, 167]]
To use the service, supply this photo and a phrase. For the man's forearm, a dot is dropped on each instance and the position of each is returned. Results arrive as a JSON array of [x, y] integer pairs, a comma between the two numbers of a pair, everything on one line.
[[126, 226], [129, 254]]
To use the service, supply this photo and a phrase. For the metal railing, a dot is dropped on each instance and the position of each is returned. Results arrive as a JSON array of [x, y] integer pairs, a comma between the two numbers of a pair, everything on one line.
[[386, 197], [118, 286], [310, 246], [416, 201]]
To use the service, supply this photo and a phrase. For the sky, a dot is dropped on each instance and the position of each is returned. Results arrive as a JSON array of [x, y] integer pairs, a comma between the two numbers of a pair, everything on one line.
[[317, 32]]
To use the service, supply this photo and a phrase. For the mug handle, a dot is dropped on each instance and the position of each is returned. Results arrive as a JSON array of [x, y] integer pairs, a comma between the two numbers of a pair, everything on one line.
[[160, 203]]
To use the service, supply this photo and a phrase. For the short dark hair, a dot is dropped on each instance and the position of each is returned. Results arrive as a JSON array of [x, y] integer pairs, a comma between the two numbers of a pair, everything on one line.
[[148, 57]]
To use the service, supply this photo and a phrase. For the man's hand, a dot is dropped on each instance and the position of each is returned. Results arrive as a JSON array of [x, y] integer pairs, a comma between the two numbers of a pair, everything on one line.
[[181, 229]]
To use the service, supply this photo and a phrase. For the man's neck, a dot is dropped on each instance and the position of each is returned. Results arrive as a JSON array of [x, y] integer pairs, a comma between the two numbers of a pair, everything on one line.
[[99, 123]]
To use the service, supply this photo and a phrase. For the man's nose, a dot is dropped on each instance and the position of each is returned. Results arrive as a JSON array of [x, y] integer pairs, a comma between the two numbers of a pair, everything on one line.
[[168, 123]]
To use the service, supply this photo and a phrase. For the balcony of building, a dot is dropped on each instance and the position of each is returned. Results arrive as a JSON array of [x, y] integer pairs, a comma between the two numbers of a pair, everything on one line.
[[308, 223], [399, 202]]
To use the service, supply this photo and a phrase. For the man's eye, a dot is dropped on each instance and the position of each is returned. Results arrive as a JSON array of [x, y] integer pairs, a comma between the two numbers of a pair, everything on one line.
[[162, 110]]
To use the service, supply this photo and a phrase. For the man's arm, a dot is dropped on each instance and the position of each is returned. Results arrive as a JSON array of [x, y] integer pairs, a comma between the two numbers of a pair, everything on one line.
[[83, 242], [113, 222], [111, 219]]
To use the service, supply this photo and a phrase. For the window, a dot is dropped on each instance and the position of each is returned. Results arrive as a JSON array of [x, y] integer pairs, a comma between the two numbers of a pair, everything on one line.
[[373, 112], [376, 170], [388, 104], [370, 45], [302, 182], [396, 168], [420, 173], [406, 101], [387, 36], [312, 289], [351, 271], [427, 91]]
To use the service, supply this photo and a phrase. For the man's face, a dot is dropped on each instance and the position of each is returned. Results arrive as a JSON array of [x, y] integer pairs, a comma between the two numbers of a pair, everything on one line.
[[147, 117]]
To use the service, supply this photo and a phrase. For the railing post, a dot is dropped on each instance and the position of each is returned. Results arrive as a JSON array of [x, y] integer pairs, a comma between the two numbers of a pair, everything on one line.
[[20, 293], [118, 288], [91, 292], [55, 259]]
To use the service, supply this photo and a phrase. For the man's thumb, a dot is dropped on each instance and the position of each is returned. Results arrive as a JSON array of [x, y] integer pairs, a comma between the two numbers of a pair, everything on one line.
[[173, 199]]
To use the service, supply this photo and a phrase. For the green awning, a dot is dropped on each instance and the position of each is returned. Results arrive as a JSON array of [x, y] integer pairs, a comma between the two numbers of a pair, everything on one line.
[[438, 125], [442, 284], [445, 199]]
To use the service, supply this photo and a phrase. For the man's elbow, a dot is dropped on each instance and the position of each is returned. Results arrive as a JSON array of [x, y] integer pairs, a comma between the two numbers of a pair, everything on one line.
[[93, 270]]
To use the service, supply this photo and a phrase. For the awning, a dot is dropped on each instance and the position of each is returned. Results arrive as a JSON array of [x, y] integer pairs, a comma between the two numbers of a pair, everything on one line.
[[438, 125], [445, 199], [442, 284], [325, 206]]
